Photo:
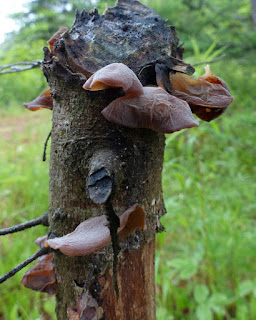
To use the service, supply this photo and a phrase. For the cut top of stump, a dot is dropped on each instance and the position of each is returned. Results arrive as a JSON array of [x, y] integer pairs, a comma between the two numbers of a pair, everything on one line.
[[129, 32]]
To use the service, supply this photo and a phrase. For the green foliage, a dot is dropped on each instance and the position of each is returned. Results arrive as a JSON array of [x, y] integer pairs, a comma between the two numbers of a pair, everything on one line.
[[43, 18], [23, 196], [207, 268], [228, 23]]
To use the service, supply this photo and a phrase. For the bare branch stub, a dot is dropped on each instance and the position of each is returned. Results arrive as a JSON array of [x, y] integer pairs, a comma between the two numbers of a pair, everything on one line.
[[43, 220], [36, 255], [20, 66], [103, 176], [210, 61]]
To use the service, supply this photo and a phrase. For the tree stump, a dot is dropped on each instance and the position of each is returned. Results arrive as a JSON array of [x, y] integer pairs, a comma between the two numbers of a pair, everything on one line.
[[87, 151]]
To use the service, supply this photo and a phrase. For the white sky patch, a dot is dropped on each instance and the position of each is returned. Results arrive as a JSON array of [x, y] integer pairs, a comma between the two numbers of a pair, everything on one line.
[[9, 7]]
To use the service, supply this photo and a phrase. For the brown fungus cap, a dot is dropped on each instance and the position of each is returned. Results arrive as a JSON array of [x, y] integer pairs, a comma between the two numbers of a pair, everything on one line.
[[41, 277], [86, 308], [115, 75], [208, 95], [44, 101], [93, 233], [57, 35], [155, 109]]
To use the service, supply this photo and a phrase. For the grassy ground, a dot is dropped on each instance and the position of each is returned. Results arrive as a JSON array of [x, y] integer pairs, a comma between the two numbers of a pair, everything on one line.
[[206, 258], [23, 196], [205, 261]]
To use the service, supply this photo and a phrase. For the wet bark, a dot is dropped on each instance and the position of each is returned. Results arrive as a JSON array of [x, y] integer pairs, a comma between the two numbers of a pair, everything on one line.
[[79, 131], [133, 166]]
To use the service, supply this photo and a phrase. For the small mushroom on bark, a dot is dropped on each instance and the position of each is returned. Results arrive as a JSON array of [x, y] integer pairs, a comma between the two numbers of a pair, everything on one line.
[[115, 75], [44, 101], [93, 233], [41, 277], [208, 95], [57, 35], [86, 308]]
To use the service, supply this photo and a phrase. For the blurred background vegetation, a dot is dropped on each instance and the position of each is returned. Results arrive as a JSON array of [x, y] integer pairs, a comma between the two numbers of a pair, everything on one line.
[[205, 260]]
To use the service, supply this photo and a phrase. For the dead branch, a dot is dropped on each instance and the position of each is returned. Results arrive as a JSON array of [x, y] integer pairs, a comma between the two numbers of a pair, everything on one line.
[[20, 66], [193, 7], [45, 145], [210, 61], [43, 220], [34, 256]]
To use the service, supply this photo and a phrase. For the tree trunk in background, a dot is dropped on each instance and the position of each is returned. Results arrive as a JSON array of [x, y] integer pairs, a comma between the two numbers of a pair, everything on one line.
[[253, 3], [81, 136]]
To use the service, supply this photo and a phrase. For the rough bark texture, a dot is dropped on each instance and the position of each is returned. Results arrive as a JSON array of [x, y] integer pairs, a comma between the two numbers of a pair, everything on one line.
[[136, 280], [79, 131], [80, 134]]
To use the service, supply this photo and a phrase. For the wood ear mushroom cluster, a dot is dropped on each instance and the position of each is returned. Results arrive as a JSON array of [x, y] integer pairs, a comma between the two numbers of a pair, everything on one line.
[[165, 108], [152, 107], [141, 107], [156, 109]]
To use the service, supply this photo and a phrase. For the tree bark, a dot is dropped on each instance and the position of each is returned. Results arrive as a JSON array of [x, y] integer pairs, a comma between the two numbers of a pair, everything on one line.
[[83, 143]]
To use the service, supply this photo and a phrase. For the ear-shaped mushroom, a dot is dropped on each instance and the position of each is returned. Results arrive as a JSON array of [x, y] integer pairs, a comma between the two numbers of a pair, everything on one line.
[[115, 75], [162, 77], [208, 96], [41, 277], [86, 308], [44, 101], [57, 35], [134, 218], [155, 109], [93, 233]]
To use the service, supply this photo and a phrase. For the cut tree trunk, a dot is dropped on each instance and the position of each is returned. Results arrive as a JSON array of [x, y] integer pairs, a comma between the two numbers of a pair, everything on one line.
[[84, 143]]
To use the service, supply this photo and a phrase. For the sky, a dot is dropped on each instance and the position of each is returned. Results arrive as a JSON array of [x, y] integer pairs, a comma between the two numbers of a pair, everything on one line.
[[9, 7]]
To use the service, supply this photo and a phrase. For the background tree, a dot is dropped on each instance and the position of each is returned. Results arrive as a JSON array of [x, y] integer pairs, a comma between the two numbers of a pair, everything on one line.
[[253, 2]]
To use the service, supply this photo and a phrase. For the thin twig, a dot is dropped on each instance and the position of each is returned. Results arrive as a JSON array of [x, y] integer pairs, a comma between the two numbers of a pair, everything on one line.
[[114, 224], [20, 66], [210, 61], [88, 278], [45, 145], [34, 256], [28, 224]]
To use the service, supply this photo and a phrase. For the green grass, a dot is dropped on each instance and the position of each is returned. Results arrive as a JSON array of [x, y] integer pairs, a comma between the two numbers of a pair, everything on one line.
[[23, 196], [205, 260]]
